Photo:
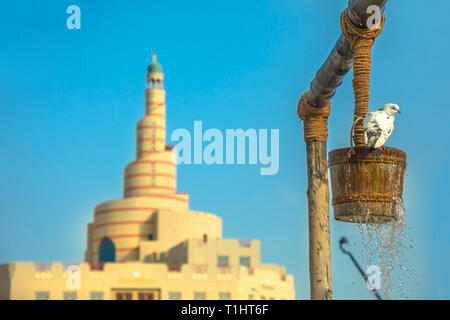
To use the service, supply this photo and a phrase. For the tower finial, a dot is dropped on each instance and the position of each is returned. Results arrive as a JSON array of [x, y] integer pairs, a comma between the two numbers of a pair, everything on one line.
[[153, 57]]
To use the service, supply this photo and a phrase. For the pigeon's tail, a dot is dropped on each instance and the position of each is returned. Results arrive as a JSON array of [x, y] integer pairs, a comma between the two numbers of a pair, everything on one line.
[[370, 150]]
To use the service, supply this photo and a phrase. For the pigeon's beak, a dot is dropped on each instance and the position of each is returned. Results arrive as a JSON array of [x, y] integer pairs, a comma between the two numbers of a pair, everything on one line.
[[399, 112]]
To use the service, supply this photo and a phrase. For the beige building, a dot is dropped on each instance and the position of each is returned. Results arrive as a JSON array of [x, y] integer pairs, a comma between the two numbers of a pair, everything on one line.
[[148, 244]]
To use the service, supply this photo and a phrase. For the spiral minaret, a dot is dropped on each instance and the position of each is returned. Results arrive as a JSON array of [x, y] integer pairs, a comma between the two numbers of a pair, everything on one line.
[[151, 210], [154, 170]]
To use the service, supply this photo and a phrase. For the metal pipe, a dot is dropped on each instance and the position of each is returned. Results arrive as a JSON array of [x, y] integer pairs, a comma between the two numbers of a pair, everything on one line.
[[343, 241]]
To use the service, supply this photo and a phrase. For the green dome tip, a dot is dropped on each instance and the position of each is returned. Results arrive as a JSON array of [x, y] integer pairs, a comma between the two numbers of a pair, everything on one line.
[[154, 66]]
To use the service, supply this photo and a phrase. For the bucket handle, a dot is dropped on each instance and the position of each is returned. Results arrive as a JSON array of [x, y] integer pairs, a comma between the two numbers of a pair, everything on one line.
[[351, 152]]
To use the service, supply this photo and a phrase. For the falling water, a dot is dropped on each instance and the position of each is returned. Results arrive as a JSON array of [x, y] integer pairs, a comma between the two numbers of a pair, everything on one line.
[[385, 245]]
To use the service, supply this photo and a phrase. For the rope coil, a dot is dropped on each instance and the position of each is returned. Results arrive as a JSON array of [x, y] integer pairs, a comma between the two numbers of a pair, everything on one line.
[[315, 120], [361, 42]]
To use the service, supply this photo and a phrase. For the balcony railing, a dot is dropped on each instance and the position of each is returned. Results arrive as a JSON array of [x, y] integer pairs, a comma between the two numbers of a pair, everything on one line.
[[199, 268], [224, 269], [97, 266], [244, 242], [174, 267], [68, 266], [43, 266]]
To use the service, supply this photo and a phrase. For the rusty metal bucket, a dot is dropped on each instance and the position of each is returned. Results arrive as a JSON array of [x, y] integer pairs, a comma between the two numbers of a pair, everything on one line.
[[367, 188]]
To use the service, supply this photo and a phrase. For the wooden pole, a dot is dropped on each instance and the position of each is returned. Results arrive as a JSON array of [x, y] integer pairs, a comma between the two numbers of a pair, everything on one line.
[[318, 221], [322, 89]]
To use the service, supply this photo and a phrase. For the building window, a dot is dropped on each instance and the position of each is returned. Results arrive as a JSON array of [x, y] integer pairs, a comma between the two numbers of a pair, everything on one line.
[[70, 296], [244, 261], [199, 296], [42, 295], [222, 260], [124, 296], [175, 295], [96, 295], [146, 296], [150, 236], [224, 296]]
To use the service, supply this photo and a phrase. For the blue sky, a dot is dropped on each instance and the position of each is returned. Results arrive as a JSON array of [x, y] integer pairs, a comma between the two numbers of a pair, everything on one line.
[[70, 100]]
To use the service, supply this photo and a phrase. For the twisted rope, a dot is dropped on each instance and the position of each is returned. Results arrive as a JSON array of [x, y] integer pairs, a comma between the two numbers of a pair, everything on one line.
[[315, 120], [361, 41]]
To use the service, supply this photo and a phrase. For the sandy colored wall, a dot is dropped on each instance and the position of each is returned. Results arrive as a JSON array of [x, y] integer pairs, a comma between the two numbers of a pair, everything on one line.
[[268, 285], [176, 226], [207, 252], [142, 276]]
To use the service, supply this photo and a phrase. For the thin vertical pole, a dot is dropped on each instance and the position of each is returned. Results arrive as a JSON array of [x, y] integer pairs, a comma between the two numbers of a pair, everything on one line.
[[318, 221]]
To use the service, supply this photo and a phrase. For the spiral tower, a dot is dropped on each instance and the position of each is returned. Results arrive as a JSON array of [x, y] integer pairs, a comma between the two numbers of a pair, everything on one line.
[[149, 188]]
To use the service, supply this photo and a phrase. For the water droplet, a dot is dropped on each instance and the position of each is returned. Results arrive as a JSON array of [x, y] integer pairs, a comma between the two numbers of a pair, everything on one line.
[[384, 245]]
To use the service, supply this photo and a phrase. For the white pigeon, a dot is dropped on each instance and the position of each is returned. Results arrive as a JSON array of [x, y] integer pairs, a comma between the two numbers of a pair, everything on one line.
[[378, 126]]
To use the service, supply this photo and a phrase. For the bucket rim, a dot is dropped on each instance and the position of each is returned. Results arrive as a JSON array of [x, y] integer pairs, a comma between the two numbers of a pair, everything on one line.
[[389, 156]]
